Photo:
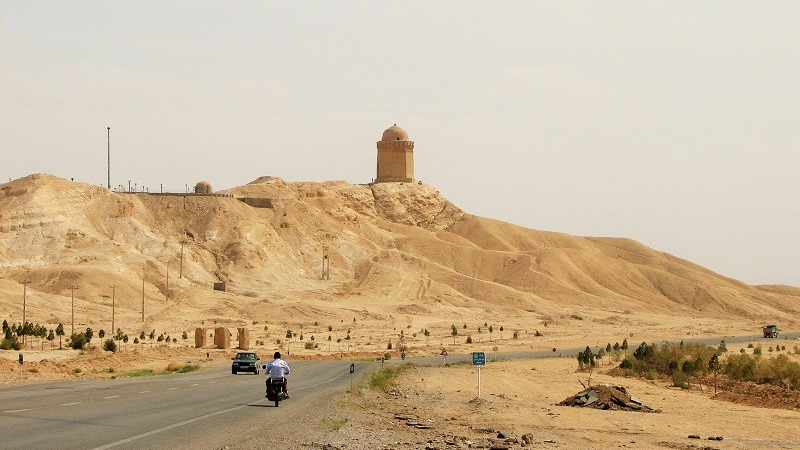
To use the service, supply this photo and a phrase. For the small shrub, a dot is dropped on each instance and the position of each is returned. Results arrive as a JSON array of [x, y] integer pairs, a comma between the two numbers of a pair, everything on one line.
[[469, 339], [385, 378], [679, 379], [109, 345], [750, 345], [188, 368], [308, 345], [77, 370], [78, 341], [626, 364]]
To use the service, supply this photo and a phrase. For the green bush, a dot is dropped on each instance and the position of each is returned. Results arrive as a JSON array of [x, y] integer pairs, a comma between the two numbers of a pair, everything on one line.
[[109, 345], [308, 345], [78, 341], [384, 379], [679, 379], [626, 364]]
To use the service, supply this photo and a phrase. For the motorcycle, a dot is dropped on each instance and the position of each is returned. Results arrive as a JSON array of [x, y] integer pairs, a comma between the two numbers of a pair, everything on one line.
[[275, 391]]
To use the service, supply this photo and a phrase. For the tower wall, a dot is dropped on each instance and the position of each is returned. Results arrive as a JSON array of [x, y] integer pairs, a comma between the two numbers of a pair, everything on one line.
[[395, 161]]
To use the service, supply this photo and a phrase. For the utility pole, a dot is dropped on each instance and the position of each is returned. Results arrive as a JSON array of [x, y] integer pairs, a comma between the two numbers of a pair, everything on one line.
[[113, 305], [166, 291], [109, 157], [326, 264], [24, 298], [144, 274], [72, 289], [183, 241]]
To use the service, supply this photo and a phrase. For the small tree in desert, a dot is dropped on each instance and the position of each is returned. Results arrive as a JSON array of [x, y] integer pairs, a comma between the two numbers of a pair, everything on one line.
[[715, 367], [587, 362], [60, 333]]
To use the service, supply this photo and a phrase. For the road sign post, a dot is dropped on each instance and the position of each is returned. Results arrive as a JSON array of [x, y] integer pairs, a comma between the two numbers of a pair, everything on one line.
[[352, 369], [479, 359]]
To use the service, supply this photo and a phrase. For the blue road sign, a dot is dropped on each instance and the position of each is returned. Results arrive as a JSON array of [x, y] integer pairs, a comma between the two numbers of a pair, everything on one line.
[[478, 358]]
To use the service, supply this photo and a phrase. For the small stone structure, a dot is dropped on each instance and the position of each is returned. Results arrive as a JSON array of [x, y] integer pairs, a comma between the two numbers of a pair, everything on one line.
[[244, 339], [395, 156], [222, 338], [199, 337], [219, 286], [203, 187]]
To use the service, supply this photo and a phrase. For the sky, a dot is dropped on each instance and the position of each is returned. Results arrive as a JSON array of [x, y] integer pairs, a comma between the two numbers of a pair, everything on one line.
[[676, 124]]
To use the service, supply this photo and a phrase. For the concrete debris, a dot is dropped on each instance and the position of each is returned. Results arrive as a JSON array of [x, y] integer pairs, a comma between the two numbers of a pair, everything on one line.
[[607, 397]]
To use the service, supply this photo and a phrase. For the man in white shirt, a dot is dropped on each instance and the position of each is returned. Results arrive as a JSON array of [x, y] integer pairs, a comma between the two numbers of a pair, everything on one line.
[[277, 368]]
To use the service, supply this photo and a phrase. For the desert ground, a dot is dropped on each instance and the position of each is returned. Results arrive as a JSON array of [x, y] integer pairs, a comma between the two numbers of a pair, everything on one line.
[[406, 268], [521, 398]]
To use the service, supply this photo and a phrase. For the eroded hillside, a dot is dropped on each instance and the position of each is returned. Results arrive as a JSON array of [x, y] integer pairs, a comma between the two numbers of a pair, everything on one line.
[[398, 252]]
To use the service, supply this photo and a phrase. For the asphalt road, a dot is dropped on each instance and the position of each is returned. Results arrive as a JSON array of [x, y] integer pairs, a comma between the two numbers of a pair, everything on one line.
[[195, 410]]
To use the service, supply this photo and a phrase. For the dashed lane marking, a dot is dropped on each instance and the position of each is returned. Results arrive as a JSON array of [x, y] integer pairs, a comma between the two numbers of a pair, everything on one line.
[[196, 384], [171, 389], [111, 396], [17, 410], [143, 392], [70, 404]]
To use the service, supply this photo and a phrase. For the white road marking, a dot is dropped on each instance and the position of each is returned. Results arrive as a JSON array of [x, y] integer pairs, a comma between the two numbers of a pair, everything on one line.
[[171, 389], [70, 404], [196, 384], [111, 396], [17, 410], [144, 392], [196, 419]]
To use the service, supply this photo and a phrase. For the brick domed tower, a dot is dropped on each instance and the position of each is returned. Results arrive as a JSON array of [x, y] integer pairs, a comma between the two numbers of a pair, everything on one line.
[[395, 156]]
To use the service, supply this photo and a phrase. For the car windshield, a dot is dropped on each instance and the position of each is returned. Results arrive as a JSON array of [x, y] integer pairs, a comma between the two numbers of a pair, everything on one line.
[[247, 356]]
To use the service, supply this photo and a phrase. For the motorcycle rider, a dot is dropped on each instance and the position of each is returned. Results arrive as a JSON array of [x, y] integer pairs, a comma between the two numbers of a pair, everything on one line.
[[277, 368]]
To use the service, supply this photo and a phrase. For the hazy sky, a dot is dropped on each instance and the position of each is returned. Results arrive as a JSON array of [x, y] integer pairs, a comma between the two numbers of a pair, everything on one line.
[[673, 123]]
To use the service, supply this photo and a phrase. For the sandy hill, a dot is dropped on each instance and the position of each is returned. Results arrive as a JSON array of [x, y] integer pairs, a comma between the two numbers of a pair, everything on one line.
[[400, 254]]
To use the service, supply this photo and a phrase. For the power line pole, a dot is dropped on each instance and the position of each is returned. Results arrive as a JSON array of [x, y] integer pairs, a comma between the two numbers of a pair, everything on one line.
[[72, 289], [113, 304], [24, 298], [183, 241], [109, 157], [144, 274], [166, 291]]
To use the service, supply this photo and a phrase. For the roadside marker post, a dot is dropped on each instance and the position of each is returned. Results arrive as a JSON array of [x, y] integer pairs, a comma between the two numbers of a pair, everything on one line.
[[479, 359], [352, 370]]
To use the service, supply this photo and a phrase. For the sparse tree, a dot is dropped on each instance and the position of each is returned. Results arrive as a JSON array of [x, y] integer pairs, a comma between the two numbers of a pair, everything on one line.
[[60, 333], [715, 367], [454, 332], [624, 346], [491, 330], [101, 334], [50, 337], [501, 332], [427, 334]]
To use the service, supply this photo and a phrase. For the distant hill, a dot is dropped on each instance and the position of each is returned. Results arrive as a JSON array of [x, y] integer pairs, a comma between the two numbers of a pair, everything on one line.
[[393, 248]]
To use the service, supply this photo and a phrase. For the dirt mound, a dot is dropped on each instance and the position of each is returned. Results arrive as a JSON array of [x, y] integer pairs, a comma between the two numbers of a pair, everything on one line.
[[760, 395], [607, 397]]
